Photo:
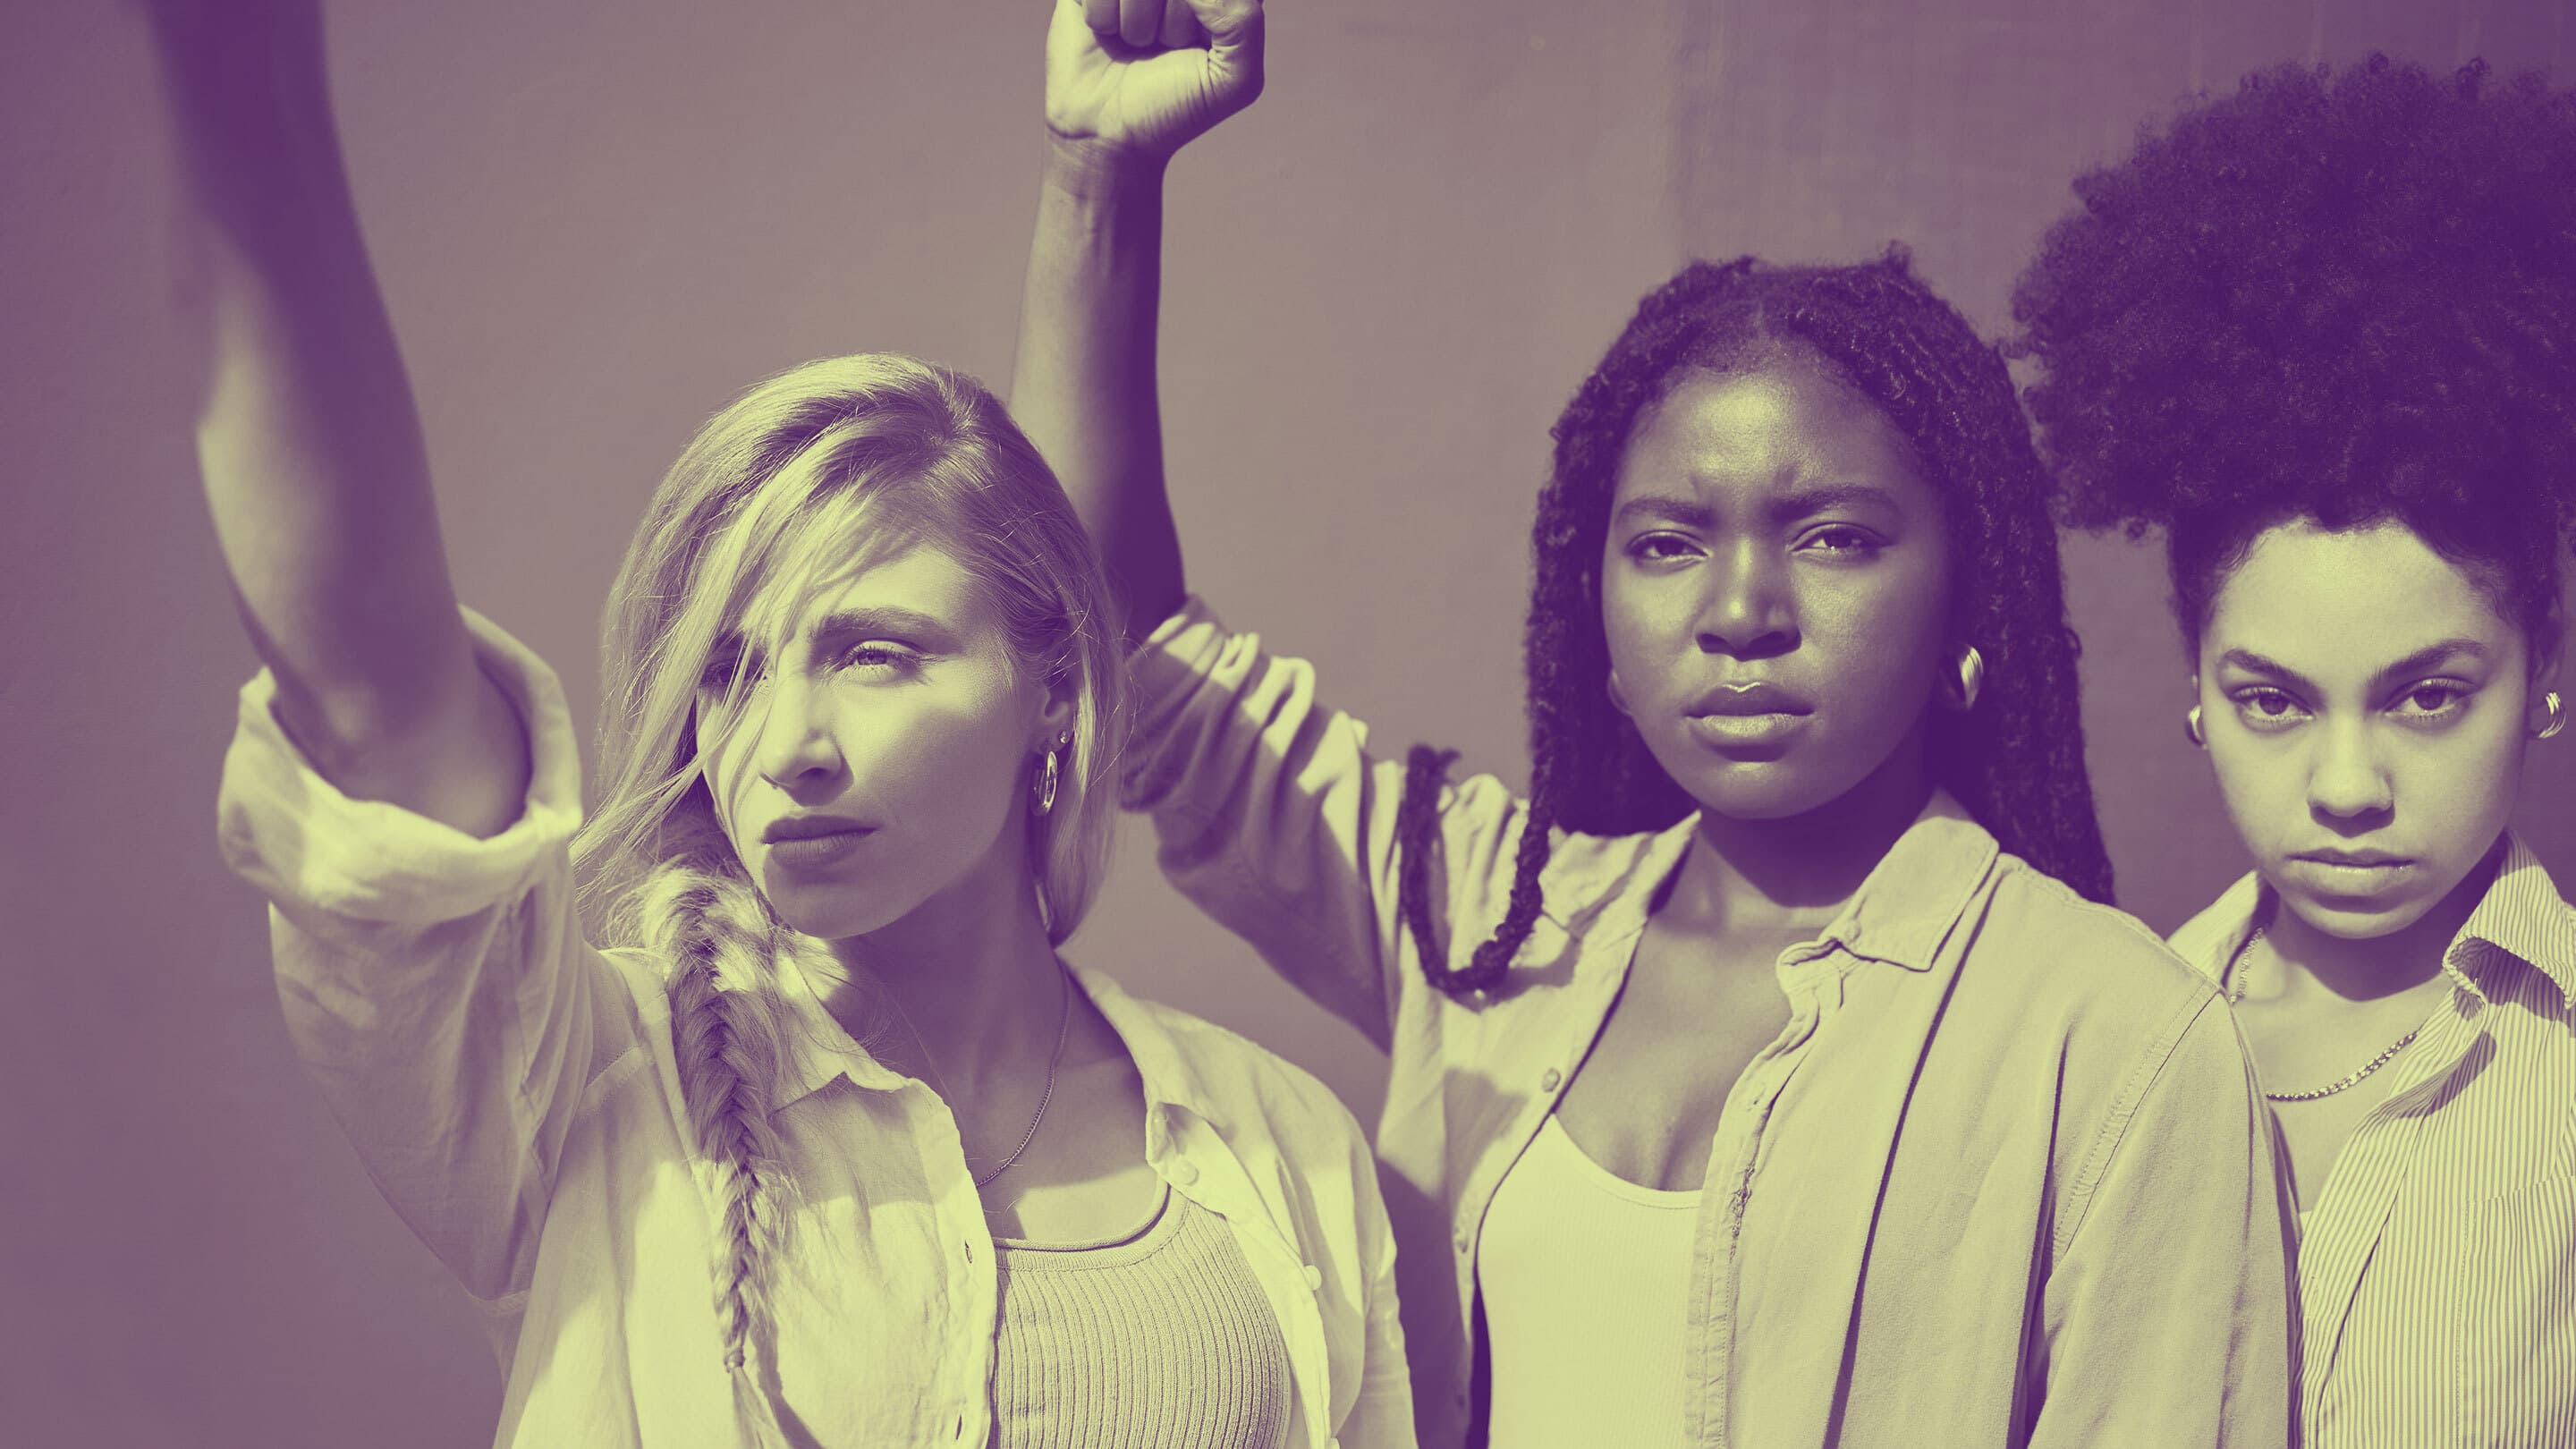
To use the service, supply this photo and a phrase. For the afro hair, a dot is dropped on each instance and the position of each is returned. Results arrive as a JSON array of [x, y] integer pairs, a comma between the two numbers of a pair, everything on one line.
[[2342, 297]]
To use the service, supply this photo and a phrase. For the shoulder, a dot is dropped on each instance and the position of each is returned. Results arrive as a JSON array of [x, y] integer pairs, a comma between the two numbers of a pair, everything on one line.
[[2083, 964], [1238, 1085]]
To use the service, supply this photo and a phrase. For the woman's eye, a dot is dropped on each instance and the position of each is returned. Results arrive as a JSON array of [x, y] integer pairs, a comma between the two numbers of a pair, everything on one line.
[[2267, 707], [717, 677], [2432, 701], [875, 655], [1660, 547], [1841, 538]]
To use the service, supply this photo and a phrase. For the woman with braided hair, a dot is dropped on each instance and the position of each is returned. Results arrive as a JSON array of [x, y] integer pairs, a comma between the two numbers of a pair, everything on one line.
[[2318, 334], [1773, 1073], [827, 1146]]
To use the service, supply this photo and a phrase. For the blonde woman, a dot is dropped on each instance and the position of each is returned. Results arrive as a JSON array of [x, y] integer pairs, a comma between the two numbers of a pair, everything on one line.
[[820, 1143]]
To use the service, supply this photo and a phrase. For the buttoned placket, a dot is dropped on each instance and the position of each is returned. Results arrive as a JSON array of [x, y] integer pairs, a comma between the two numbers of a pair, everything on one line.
[[1288, 1282], [1726, 1192], [2380, 1153]]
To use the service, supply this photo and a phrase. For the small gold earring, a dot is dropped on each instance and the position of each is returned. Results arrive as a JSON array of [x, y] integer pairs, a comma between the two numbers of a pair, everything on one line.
[[2557, 716], [1046, 783], [2191, 728], [1969, 679]]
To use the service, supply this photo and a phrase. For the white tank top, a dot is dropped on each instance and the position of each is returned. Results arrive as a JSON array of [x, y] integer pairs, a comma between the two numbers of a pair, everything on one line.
[[1586, 1281]]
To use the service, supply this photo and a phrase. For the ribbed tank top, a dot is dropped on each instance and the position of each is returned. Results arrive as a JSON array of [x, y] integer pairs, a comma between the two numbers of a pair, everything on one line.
[[1161, 1340], [1585, 1278]]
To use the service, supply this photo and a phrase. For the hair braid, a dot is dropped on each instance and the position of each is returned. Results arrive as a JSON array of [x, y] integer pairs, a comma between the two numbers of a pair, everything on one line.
[[2015, 759], [722, 944]]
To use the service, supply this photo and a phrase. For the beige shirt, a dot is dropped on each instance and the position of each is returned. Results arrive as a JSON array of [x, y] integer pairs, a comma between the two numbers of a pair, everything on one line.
[[2437, 1269], [2003, 1180], [514, 1094]]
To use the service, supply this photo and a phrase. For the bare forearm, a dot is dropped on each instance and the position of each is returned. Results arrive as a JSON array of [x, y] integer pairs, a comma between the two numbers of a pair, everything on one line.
[[1084, 382], [315, 473]]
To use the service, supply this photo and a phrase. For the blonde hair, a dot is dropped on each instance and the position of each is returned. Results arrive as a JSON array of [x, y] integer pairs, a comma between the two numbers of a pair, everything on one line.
[[803, 479]]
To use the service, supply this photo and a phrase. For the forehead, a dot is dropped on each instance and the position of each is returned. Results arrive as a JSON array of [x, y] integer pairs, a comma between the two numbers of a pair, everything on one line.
[[2344, 603], [918, 578], [1773, 426]]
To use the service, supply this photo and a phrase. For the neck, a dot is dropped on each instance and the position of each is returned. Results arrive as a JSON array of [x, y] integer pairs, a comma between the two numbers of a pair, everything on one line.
[[964, 991], [2377, 966], [1796, 873]]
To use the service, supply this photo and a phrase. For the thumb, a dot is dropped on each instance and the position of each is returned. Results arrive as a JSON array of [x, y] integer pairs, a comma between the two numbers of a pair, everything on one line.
[[1234, 34]]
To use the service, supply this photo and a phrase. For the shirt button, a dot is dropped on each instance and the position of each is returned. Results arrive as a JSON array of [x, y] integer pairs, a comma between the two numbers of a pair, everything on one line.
[[1548, 1079], [1184, 1171], [1461, 1240], [1314, 1279]]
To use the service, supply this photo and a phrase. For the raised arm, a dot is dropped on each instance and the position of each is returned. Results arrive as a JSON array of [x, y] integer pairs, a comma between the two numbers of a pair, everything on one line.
[[309, 442], [1129, 82]]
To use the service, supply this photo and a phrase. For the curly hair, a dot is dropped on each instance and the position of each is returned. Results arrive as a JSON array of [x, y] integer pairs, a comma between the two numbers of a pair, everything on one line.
[[2015, 760], [2342, 298]]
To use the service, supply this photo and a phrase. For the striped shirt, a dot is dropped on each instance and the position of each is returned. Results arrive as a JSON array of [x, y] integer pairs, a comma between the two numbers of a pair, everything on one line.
[[2437, 1270]]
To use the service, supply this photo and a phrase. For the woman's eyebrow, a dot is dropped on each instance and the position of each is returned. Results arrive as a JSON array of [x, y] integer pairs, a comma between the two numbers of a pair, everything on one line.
[[1826, 497], [880, 619], [2428, 657], [2415, 663], [1665, 508], [2253, 663]]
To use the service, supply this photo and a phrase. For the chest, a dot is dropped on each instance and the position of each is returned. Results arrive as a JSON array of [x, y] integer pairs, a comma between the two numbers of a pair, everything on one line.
[[1691, 1017], [2353, 1055]]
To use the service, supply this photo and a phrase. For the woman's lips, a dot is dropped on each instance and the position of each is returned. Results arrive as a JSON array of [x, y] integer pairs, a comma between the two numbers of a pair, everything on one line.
[[2350, 876], [812, 852], [1737, 731]]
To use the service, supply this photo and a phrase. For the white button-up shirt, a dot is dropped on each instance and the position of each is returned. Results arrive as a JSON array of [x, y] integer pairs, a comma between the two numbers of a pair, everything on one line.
[[514, 1094]]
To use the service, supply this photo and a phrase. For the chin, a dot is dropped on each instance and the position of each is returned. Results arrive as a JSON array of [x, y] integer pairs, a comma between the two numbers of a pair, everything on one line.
[[2358, 920], [831, 912], [1757, 790]]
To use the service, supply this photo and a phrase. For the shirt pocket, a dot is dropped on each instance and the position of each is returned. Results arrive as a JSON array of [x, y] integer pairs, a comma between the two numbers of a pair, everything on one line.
[[2512, 1318]]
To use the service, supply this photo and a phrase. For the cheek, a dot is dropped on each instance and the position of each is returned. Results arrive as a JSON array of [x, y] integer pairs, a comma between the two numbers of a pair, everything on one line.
[[1877, 635], [934, 761], [1643, 626]]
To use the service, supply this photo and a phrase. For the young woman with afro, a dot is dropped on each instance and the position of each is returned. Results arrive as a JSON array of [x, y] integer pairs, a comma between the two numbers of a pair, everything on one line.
[[2322, 335], [1771, 1073]]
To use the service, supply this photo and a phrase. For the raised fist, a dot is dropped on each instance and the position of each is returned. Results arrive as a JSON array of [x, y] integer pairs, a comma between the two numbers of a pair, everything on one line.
[[1141, 78]]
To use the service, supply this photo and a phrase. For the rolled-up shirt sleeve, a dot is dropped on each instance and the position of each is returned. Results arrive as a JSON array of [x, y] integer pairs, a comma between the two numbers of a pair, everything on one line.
[[436, 985], [1275, 818], [2168, 1308]]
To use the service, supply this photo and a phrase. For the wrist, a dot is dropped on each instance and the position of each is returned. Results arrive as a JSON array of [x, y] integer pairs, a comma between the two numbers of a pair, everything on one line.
[[1094, 173]]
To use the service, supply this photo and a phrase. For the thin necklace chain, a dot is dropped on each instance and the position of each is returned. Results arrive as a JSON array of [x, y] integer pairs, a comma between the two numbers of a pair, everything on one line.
[[1063, 1026], [2236, 969]]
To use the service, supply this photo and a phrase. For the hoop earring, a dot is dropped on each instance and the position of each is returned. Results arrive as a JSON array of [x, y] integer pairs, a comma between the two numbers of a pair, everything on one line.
[[2557, 716], [1968, 677], [1047, 777], [2191, 728]]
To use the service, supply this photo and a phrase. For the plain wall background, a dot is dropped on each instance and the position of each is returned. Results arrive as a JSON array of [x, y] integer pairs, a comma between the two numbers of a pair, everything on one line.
[[595, 222]]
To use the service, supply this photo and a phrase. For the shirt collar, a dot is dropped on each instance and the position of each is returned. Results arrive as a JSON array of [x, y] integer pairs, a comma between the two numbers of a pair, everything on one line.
[[814, 1050], [1905, 908], [2521, 917]]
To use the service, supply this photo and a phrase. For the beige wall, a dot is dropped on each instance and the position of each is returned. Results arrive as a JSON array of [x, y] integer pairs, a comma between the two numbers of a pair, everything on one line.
[[594, 222]]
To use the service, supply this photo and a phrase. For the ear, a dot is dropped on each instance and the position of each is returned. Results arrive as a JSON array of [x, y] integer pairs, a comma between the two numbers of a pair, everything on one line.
[[1056, 709], [2548, 648]]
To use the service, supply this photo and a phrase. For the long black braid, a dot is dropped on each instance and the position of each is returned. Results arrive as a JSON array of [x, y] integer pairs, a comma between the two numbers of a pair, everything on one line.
[[2015, 760]]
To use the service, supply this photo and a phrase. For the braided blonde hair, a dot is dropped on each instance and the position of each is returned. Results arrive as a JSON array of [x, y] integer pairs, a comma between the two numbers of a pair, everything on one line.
[[806, 476]]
